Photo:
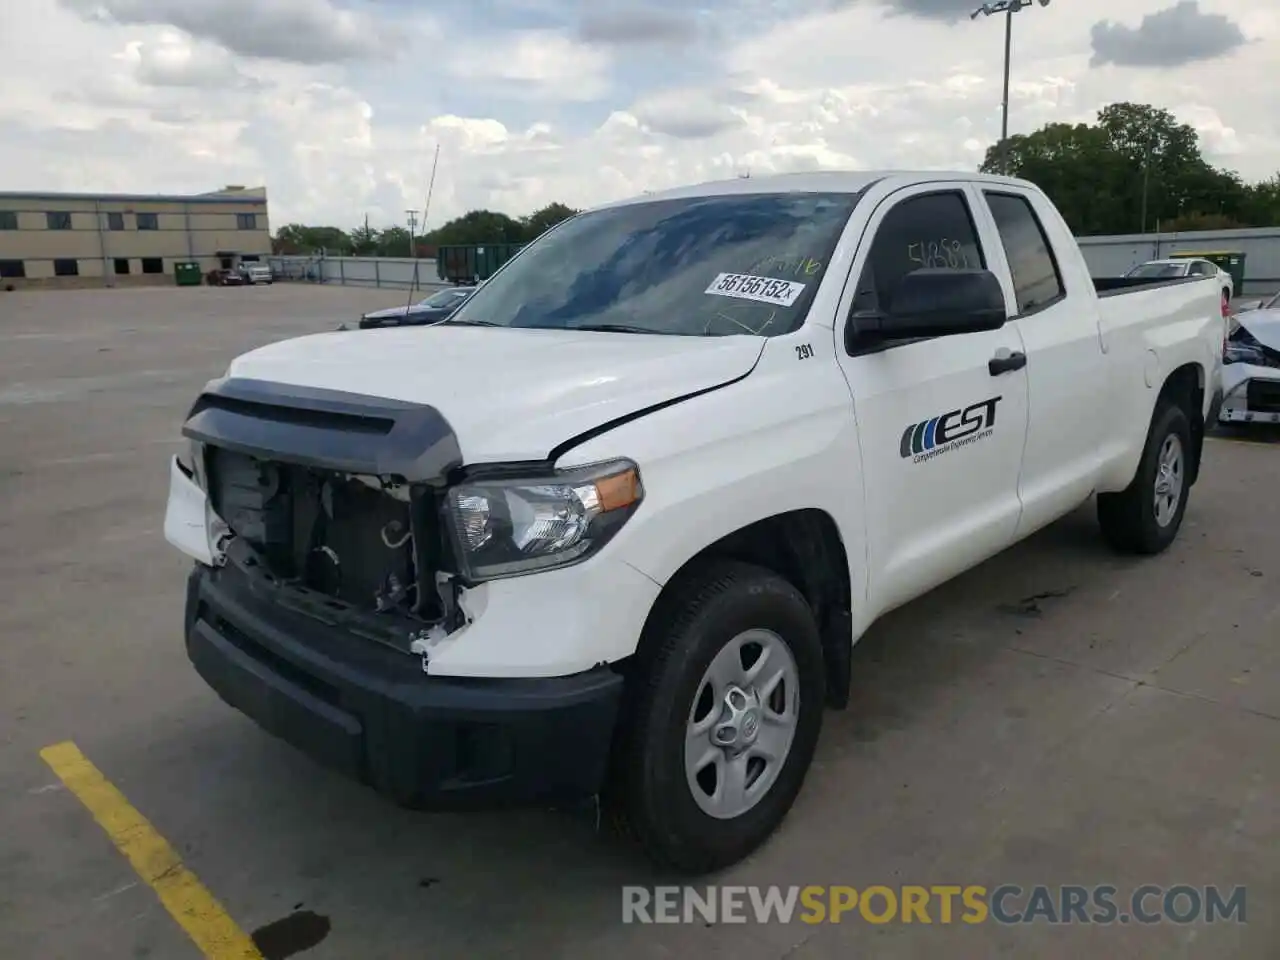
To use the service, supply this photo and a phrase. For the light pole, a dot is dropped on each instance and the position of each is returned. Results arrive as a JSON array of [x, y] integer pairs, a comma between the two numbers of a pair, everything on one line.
[[413, 222], [1008, 8]]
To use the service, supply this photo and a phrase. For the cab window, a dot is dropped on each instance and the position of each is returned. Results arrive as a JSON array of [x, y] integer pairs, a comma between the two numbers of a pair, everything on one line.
[[1037, 281], [929, 230]]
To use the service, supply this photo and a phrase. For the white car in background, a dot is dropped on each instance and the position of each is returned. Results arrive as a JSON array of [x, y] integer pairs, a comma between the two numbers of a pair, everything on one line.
[[1186, 267], [1251, 366]]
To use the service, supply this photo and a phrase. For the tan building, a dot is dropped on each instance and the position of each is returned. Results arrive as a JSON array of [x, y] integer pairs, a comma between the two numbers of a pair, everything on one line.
[[90, 240]]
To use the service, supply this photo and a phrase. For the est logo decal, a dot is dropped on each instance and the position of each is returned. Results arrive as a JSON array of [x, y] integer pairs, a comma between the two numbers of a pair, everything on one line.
[[943, 433]]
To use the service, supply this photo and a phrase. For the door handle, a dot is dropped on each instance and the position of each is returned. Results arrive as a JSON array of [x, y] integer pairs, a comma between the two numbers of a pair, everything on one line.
[[1004, 364]]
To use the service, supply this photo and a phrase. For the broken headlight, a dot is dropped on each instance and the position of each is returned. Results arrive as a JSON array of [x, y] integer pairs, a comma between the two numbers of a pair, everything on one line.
[[1243, 347], [505, 528], [192, 462]]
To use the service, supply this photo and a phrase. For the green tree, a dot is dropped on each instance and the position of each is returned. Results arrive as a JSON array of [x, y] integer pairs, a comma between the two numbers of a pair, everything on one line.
[[364, 240], [477, 226], [298, 238], [540, 221], [393, 242], [1136, 167]]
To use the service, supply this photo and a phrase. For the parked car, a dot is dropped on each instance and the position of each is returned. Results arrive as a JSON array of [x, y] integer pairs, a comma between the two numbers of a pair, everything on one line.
[[224, 277], [1251, 376], [255, 271], [613, 527], [1187, 267], [437, 307]]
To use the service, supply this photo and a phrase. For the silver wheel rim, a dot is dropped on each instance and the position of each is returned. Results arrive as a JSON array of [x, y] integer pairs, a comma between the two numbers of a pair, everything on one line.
[[1169, 479], [742, 724]]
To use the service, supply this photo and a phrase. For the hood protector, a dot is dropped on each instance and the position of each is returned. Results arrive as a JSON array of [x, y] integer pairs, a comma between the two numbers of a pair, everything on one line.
[[326, 429]]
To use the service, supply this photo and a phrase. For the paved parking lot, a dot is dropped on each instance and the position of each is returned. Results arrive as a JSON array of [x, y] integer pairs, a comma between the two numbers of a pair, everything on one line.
[[1058, 716]]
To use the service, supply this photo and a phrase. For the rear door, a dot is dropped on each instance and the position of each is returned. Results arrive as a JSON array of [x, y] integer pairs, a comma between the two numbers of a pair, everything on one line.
[[941, 427], [1056, 317]]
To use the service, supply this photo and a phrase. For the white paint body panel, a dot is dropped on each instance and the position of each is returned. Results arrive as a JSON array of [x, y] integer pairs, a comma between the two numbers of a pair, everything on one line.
[[784, 431]]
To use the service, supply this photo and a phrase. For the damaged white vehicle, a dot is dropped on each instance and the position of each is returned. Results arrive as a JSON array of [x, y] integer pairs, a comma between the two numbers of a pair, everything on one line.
[[612, 528], [1251, 366]]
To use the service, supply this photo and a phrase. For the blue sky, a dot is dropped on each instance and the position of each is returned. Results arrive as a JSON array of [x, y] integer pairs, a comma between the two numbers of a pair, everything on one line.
[[337, 106]]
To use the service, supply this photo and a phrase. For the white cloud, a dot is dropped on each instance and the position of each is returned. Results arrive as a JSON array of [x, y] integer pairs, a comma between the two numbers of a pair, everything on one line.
[[168, 100]]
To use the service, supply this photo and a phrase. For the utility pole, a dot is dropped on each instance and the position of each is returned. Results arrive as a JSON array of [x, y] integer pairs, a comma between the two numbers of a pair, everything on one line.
[[412, 223], [1146, 178], [1008, 8]]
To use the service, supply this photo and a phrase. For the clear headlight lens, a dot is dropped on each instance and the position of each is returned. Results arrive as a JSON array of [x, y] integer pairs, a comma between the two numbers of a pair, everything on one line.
[[504, 528]]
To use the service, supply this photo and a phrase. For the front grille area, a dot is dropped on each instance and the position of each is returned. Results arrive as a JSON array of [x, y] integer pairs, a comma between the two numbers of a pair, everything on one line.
[[1263, 396], [347, 538]]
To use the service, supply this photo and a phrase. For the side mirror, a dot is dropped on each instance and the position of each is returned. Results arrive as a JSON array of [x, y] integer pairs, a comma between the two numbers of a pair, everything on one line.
[[936, 302]]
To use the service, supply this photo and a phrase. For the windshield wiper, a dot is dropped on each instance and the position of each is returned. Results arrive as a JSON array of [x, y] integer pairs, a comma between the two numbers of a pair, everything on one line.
[[468, 323], [614, 328]]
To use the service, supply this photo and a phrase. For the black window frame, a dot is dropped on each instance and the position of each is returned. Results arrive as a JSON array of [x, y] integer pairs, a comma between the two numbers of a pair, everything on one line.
[[879, 346], [115, 217], [153, 260], [1048, 245], [246, 221], [53, 220], [60, 267], [8, 273], [8, 219], [116, 266], [151, 219]]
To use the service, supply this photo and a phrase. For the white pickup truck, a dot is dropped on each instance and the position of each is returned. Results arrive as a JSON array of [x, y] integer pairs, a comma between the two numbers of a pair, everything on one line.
[[725, 428]]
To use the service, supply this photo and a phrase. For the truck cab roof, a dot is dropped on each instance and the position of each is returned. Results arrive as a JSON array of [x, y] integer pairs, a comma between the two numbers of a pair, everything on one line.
[[824, 181]]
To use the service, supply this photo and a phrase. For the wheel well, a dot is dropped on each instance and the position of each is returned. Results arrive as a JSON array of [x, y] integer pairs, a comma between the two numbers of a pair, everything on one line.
[[1185, 388], [804, 548]]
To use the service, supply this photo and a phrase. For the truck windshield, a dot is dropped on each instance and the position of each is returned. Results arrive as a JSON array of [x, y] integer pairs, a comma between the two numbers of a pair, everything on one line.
[[697, 266]]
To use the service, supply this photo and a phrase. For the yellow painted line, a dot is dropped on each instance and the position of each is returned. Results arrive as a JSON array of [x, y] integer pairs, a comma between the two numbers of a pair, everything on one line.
[[156, 862]]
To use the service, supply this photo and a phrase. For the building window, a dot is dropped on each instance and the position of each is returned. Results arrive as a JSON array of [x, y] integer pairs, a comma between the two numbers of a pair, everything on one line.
[[115, 221], [12, 269], [122, 264], [66, 268], [246, 221], [152, 265], [8, 220], [58, 221], [148, 221]]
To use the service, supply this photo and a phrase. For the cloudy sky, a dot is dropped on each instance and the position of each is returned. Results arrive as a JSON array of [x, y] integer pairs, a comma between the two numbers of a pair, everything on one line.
[[337, 106]]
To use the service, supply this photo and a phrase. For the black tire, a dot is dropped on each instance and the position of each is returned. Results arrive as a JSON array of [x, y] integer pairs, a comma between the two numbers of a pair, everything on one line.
[[648, 796], [1128, 519]]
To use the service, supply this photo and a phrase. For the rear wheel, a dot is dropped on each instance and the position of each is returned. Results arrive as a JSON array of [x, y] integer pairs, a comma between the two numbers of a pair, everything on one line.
[[1145, 517], [722, 718]]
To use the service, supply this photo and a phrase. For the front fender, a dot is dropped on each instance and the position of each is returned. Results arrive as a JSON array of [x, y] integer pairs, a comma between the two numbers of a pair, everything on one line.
[[782, 439]]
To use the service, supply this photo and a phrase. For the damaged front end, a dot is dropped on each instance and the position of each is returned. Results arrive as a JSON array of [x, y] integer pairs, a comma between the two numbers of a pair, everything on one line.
[[330, 503], [1251, 371]]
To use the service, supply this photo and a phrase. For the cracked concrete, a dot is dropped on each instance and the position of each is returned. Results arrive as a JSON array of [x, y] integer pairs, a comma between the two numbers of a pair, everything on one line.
[[1057, 716]]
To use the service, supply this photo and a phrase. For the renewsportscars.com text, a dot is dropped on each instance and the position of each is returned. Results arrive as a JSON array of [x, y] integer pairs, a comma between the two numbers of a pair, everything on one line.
[[937, 904]]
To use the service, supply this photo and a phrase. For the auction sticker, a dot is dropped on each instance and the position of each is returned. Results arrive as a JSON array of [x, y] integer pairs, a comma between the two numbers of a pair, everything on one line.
[[743, 286]]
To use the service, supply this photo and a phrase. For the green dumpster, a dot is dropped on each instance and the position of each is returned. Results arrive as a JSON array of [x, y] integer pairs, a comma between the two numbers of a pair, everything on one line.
[[187, 273], [472, 263], [1231, 261]]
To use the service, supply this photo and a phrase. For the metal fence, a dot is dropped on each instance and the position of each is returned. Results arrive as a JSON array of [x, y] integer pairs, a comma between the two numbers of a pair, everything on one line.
[[1112, 256], [403, 273]]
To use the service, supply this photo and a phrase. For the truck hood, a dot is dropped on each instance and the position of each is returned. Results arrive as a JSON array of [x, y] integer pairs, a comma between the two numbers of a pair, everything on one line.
[[509, 394]]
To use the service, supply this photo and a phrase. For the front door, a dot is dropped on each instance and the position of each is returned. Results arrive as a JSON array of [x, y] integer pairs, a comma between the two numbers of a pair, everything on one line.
[[942, 427]]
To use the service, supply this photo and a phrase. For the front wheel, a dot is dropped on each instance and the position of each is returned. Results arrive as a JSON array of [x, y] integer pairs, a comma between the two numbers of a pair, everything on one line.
[[1145, 517], [722, 719]]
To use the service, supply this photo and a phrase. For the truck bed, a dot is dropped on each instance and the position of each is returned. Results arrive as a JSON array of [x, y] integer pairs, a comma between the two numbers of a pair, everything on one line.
[[1118, 286]]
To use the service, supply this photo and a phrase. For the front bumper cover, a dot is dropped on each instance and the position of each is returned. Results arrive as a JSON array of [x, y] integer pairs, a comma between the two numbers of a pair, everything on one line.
[[370, 712]]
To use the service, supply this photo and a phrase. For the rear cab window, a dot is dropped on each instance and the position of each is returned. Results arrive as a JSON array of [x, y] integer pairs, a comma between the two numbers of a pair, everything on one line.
[[696, 266], [1037, 281]]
